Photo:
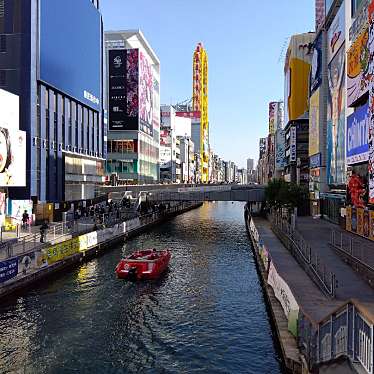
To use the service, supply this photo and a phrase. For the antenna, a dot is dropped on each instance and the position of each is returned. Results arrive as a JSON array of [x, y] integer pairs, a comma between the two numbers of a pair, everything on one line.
[[282, 52]]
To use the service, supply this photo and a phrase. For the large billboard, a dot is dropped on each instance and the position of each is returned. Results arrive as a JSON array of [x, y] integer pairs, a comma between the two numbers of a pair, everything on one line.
[[272, 115], [336, 33], [12, 158], [316, 73], [280, 149], [358, 75], [371, 105], [336, 120], [70, 49], [123, 89], [9, 110], [314, 124], [358, 136], [145, 95]]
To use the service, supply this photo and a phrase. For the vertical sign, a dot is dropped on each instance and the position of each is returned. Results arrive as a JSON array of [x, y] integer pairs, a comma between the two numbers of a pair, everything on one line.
[[123, 89], [371, 104], [293, 144]]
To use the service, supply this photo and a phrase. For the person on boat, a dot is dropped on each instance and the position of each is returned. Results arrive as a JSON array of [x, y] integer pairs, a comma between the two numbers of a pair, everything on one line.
[[43, 229]]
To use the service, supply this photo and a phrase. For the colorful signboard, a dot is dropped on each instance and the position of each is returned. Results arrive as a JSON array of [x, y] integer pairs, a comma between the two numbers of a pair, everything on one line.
[[293, 149], [8, 269], [314, 124], [360, 221], [336, 33], [336, 120], [315, 161], [320, 13], [16, 208], [358, 136], [358, 75], [280, 149], [371, 105], [272, 117]]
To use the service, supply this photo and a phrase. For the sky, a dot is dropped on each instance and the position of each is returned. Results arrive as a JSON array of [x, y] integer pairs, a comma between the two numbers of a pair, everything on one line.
[[246, 41]]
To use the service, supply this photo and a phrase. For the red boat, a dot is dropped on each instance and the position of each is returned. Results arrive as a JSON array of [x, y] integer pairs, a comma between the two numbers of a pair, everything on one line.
[[146, 264]]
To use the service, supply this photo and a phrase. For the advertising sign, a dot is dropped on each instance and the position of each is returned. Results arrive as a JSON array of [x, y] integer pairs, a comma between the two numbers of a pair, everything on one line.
[[316, 72], [263, 142], [320, 13], [156, 104], [284, 295], [12, 158], [360, 221], [123, 89], [314, 124], [273, 106], [145, 95], [348, 218], [371, 105], [17, 207], [70, 49], [280, 149], [293, 153], [328, 4], [358, 76], [315, 161], [336, 34], [336, 121], [358, 136], [8, 269], [9, 110]]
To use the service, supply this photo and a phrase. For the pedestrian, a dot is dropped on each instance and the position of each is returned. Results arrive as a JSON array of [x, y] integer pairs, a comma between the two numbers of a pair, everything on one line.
[[43, 231], [25, 219]]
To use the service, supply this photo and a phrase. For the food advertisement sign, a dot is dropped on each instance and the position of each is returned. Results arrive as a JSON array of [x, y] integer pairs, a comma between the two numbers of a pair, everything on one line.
[[336, 120], [358, 136], [314, 124], [12, 158], [358, 75], [336, 33]]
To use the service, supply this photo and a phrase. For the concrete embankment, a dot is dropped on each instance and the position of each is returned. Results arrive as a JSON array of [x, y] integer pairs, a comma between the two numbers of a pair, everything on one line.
[[22, 271], [317, 332]]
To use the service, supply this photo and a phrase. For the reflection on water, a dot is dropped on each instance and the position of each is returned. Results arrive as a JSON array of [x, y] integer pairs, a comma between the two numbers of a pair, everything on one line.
[[205, 315]]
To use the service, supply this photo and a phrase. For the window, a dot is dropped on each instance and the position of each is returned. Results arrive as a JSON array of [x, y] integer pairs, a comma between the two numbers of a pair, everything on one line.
[[2, 43], [2, 78]]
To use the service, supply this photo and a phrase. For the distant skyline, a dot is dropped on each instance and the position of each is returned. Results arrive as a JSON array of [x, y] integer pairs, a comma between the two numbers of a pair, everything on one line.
[[246, 44]]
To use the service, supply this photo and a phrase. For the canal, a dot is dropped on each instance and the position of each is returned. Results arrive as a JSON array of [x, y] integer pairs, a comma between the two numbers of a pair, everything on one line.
[[206, 315]]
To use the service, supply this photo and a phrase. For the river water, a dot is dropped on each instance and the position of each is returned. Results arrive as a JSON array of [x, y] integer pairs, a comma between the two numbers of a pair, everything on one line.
[[206, 315]]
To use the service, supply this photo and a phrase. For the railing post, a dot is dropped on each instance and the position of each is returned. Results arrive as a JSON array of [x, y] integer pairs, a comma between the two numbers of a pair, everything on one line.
[[341, 240]]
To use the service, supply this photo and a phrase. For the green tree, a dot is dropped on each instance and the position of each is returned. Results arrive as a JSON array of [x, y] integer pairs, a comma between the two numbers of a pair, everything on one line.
[[281, 194]]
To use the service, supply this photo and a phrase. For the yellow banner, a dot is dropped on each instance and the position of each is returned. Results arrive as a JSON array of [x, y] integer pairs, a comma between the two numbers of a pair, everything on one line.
[[61, 250]]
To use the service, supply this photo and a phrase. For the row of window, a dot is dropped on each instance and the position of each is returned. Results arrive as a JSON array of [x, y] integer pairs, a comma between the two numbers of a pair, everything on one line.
[[122, 146]]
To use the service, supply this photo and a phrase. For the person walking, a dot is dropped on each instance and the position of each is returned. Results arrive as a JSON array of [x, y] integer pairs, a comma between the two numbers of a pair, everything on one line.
[[25, 219], [43, 231]]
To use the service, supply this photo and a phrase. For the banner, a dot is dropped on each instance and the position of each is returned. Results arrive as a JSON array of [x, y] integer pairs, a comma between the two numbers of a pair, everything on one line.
[[336, 33], [280, 149], [314, 124], [358, 136], [8, 269], [336, 173], [293, 148], [61, 250], [358, 76], [285, 297]]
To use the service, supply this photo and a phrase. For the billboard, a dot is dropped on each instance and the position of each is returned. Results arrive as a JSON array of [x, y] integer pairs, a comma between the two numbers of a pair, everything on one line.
[[262, 146], [297, 76], [314, 124], [12, 158], [145, 95], [316, 72], [336, 120], [320, 13], [371, 105], [336, 34], [280, 149], [156, 104], [358, 76], [70, 49], [358, 136], [272, 115], [9, 110], [293, 144], [123, 89]]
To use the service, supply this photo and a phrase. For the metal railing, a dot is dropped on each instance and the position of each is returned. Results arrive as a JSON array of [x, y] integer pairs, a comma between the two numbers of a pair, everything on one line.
[[352, 249], [304, 254]]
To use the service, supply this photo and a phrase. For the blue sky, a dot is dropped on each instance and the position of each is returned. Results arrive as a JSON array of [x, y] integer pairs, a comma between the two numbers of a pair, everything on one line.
[[244, 40]]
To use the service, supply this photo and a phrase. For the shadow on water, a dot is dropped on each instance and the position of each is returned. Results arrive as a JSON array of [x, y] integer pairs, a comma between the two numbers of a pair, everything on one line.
[[206, 314]]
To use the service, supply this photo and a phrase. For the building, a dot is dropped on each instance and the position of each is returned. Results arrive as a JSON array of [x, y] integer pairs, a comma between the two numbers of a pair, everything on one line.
[[187, 157], [132, 92], [250, 164], [60, 98]]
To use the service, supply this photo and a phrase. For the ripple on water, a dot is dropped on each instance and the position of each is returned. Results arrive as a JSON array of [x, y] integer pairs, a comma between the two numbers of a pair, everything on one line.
[[206, 315]]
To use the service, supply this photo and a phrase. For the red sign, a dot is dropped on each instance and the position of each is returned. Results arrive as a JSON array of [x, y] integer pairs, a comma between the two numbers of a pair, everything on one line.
[[195, 114]]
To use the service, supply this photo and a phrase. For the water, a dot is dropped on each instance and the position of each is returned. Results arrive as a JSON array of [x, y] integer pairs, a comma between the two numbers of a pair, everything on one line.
[[206, 315]]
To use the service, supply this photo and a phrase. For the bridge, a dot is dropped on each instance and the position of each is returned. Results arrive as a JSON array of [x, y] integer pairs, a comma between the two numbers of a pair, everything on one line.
[[204, 192]]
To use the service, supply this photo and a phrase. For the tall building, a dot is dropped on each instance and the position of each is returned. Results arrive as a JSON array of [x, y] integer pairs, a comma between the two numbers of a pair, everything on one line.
[[133, 95], [250, 164], [200, 126], [60, 89]]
